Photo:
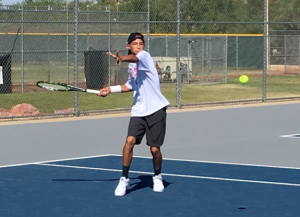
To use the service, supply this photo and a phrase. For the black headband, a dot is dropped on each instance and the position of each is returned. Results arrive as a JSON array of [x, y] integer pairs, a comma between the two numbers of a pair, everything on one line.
[[133, 36]]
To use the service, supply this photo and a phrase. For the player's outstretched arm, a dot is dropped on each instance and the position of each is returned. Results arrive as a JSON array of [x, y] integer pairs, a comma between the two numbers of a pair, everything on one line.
[[131, 58], [113, 89], [127, 58]]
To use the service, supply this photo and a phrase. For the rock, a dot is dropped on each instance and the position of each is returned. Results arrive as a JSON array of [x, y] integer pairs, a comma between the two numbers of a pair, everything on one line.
[[5, 113], [24, 109], [4, 110]]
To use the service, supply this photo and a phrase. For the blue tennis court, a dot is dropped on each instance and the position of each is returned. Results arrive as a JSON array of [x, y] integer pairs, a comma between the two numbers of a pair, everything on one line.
[[84, 187], [240, 161]]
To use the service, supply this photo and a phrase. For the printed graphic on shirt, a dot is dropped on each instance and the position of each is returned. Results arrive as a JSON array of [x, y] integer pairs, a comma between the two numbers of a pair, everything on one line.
[[133, 72]]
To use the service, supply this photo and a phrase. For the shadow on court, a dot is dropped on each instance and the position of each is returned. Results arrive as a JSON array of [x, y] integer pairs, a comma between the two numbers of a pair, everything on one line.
[[143, 181]]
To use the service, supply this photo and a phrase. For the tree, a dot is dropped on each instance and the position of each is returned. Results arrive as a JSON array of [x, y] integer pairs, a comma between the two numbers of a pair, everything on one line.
[[285, 11], [222, 11]]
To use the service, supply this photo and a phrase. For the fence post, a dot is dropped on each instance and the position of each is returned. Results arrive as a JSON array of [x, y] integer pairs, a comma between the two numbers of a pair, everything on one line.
[[225, 59], [148, 25], [202, 56], [265, 51], [269, 51], [22, 48], [48, 42], [237, 55], [76, 58], [189, 58], [285, 54], [209, 57], [109, 42], [178, 73], [167, 46], [267, 35], [67, 41]]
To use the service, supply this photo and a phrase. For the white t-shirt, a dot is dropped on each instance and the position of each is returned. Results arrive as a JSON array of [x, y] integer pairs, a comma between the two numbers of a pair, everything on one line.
[[143, 79]]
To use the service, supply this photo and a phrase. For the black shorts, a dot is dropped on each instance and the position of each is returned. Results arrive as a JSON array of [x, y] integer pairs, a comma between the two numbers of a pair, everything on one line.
[[154, 126]]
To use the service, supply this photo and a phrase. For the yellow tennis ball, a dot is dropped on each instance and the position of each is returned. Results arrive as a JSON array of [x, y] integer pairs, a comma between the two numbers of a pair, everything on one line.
[[244, 79]]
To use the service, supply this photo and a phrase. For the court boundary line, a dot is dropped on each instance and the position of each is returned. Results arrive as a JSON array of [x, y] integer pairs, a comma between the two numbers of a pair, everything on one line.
[[171, 159], [291, 136], [176, 175], [50, 161], [217, 162]]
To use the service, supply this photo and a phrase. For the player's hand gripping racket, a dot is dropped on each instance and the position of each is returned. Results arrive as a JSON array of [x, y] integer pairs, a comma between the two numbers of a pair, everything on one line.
[[57, 86]]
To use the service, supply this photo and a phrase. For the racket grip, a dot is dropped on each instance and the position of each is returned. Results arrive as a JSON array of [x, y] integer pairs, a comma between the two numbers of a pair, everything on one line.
[[92, 91]]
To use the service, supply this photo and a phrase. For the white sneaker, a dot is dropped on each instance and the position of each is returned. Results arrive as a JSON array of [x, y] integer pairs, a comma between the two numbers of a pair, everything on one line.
[[158, 185], [121, 188]]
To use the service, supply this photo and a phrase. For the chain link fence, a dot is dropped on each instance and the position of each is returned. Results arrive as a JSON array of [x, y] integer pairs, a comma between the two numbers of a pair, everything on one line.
[[200, 48], [284, 52]]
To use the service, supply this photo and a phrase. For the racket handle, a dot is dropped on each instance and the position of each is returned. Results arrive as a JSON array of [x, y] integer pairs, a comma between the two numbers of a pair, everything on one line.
[[92, 91]]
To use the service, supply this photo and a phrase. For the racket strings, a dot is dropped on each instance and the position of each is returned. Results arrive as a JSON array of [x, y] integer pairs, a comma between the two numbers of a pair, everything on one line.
[[53, 86]]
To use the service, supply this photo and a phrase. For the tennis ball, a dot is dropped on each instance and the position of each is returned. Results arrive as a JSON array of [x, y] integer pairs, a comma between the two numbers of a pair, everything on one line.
[[244, 79]]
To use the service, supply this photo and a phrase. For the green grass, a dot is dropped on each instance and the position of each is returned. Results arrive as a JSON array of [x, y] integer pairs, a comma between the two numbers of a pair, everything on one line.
[[48, 102], [53, 71], [51, 101], [277, 86]]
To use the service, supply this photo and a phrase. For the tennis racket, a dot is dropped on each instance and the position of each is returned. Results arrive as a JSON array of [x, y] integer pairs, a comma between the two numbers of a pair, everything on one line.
[[57, 86]]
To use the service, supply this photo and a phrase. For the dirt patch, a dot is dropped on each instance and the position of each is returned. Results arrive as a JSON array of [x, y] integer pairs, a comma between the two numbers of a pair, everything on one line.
[[282, 69]]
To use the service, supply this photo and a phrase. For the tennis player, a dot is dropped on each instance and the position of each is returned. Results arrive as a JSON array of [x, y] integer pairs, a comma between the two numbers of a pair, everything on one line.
[[148, 113]]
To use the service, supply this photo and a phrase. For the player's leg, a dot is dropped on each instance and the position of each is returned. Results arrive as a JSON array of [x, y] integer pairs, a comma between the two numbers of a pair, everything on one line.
[[136, 131], [155, 134], [158, 185], [128, 154], [157, 159]]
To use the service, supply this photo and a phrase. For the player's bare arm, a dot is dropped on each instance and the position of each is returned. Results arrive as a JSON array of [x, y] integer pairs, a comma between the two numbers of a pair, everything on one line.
[[107, 90], [127, 58]]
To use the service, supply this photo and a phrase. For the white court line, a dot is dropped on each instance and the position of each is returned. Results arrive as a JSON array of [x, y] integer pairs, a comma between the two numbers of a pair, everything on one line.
[[296, 136], [216, 162], [177, 175], [50, 161], [171, 159]]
